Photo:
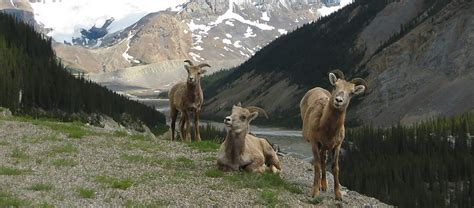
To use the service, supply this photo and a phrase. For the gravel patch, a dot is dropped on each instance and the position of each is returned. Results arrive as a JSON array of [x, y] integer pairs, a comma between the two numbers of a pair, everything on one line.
[[137, 171]]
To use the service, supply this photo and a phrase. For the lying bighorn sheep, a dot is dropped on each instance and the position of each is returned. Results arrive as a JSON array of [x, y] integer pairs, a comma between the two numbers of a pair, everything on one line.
[[242, 150], [186, 97], [323, 115]]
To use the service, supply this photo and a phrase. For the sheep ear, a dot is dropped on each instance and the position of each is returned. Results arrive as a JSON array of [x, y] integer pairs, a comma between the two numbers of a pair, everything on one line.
[[186, 67], [359, 89], [332, 79], [253, 116], [202, 71], [239, 104]]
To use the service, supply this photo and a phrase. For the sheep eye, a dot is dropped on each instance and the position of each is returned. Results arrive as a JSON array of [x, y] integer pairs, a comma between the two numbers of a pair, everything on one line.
[[243, 118]]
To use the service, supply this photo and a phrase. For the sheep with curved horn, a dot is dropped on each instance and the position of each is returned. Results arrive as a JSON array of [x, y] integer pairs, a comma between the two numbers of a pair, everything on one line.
[[323, 114], [242, 150], [186, 97]]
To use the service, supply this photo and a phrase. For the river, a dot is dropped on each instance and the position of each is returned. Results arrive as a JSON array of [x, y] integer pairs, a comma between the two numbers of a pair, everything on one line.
[[289, 141]]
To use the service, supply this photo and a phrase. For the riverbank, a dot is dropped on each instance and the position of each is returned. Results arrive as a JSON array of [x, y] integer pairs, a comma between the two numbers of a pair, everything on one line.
[[71, 165]]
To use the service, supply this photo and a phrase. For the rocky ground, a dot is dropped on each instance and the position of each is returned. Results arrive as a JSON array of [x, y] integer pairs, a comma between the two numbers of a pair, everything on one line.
[[52, 164]]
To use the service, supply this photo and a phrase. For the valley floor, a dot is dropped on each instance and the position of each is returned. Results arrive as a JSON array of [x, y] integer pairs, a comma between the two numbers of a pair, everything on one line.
[[51, 164]]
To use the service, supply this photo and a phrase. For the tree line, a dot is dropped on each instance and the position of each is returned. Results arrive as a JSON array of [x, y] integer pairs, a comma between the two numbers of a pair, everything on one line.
[[428, 164], [32, 79]]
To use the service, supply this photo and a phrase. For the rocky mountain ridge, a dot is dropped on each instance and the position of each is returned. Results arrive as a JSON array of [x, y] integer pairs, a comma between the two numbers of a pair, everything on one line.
[[422, 74]]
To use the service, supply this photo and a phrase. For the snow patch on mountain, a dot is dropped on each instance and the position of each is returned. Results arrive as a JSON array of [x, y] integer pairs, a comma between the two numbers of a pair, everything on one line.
[[125, 54], [325, 11], [282, 31], [265, 16], [229, 14], [249, 33], [229, 22], [13, 4], [67, 17]]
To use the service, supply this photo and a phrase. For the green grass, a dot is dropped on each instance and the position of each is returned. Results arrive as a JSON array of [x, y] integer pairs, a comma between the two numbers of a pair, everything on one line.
[[214, 173], [140, 137], [315, 200], [45, 205], [185, 161], [152, 204], [261, 181], [120, 133], [210, 158], [179, 163], [64, 163], [41, 187], [67, 148], [18, 154], [11, 171], [40, 139], [86, 193], [268, 198], [116, 183], [8, 200], [71, 129], [159, 129], [4, 143], [204, 146]]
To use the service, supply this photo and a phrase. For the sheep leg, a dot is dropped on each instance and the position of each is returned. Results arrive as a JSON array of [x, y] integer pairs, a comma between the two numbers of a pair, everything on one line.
[[256, 166], [271, 158], [188, 127], [324, 182], [196, 125], [182, 126], [317, 169], [335, 172], [174, 115]]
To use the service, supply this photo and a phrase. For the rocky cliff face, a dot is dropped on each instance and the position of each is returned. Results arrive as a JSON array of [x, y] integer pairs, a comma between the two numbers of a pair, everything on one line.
[[428, 72]]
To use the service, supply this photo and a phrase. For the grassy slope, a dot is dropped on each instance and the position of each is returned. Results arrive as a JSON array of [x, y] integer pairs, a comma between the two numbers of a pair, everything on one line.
[[46, 163]]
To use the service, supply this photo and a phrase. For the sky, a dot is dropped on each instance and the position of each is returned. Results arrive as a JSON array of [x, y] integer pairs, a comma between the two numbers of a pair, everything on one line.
[[67, 17]]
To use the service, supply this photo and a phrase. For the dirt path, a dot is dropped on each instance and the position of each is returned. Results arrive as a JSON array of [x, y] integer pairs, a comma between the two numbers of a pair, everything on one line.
[[47, 164]]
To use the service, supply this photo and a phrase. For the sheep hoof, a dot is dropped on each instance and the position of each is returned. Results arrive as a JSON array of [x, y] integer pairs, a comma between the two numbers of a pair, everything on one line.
[[315, 192]]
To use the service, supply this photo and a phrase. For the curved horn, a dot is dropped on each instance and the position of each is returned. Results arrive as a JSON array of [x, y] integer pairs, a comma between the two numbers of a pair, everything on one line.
[[257, 109], [360, 81], [339, 74], [189, 62], [204, 65]]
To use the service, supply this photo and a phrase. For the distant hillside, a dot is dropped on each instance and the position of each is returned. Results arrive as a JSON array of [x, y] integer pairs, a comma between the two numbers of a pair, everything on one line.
[[33, 81], [358, 40]]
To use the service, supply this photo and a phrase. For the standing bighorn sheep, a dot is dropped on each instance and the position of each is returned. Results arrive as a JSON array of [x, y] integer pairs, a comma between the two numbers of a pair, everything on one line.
[[323, 116], [242, 150], [186, 97]]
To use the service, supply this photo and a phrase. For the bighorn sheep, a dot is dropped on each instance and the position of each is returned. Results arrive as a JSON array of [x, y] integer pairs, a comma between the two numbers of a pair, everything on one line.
[[323, 116], [242, 150], [186, 97]]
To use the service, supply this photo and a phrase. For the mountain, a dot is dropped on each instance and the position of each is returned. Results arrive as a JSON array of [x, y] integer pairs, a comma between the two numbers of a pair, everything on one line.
[[223, 31], [35, 83], [21, 9], [416, 56]]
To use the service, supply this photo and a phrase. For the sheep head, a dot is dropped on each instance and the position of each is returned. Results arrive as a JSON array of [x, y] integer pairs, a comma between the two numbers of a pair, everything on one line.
[[344, 90], [194, 71], [239, 120]]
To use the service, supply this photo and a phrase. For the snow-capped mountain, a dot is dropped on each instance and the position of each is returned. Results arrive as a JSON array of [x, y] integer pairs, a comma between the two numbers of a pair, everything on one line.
[[68, 17], [112, 35]]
